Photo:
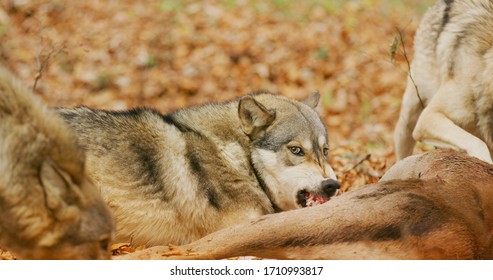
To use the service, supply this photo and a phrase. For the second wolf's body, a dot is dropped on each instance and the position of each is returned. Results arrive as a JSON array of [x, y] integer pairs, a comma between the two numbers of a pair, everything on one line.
[[452, 75], [49, 208], [177, 177]]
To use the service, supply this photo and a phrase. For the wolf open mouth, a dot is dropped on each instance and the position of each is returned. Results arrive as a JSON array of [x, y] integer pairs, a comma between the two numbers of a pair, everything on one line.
[[308, 199]]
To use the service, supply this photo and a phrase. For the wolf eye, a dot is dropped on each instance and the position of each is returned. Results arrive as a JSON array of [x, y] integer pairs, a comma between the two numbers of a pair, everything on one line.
[[297, 151], [326, 152]]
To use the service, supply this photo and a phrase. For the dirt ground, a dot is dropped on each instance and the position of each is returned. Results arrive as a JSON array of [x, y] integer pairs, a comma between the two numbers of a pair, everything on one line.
[[169, 54]]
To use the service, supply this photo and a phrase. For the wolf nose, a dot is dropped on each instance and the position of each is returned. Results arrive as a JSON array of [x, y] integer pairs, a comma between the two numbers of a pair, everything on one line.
[[330, 186]]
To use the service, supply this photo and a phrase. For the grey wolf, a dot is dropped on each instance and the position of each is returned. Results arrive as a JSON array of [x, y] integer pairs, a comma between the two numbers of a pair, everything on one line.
[[435, 205], [49, 209], [452, 71], [177, 177]]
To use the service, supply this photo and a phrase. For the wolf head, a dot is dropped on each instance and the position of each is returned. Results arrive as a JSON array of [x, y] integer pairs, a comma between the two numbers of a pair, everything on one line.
[[289, 149]]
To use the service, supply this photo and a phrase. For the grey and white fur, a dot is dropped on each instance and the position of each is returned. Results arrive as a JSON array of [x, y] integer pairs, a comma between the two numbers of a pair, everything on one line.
[[177, 177], [451, 72]]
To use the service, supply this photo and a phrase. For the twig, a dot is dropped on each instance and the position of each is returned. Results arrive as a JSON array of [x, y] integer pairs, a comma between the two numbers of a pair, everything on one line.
[[404, 53], [42, 64], [359, 162]]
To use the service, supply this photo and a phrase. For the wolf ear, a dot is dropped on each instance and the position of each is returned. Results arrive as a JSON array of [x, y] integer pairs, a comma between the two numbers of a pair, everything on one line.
[[312, 100], [59, 191], [254, 117]]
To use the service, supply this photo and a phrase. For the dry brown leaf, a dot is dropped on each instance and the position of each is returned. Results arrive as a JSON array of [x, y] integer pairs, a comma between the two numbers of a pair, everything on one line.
[[6, 255], [124, 248]]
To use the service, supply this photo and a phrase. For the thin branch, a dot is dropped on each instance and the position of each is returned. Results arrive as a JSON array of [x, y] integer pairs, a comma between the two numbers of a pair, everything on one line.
[[43, 64], [367, 157], [404, 52]]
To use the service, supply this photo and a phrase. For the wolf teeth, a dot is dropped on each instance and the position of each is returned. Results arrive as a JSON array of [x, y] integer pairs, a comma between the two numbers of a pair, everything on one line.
[[310, 201]]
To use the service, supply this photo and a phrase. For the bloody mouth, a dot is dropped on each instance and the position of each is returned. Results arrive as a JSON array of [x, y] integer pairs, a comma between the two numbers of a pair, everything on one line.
[[309, 199]]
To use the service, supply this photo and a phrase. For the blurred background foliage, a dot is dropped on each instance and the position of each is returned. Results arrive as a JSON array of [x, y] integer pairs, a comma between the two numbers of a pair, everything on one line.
[[168, 54]]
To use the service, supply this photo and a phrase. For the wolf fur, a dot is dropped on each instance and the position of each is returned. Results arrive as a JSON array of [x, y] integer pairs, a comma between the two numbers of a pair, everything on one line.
[[175, 178], [49, 209], [437, 205], [452, 71]]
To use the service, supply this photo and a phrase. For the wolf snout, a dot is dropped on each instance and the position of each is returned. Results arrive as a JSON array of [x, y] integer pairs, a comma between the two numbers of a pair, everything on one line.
[[330, 187]]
